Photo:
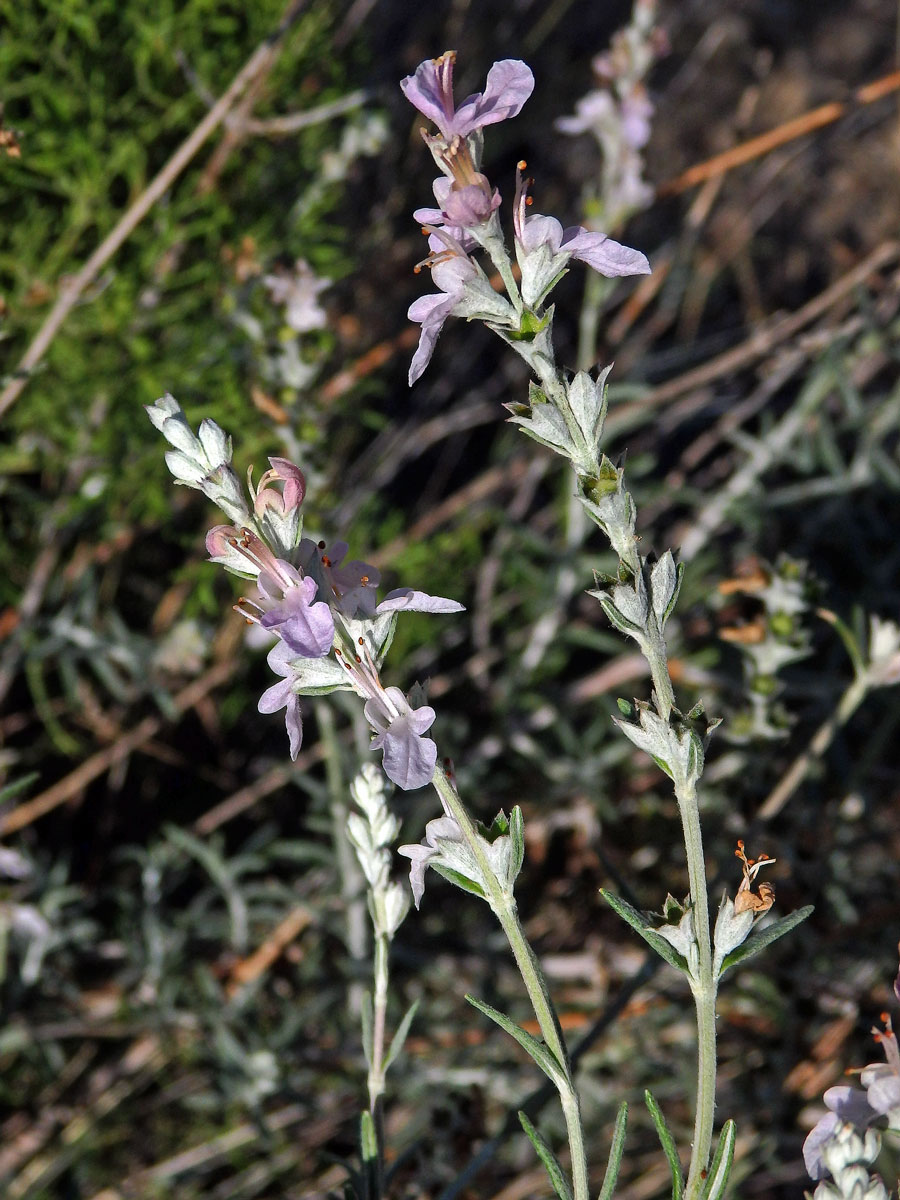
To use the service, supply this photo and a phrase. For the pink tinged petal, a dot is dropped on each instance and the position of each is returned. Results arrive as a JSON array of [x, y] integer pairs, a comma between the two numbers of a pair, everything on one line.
[[429, 216], [294, 481], [427, 91], [470, 206], [821, 1133], [279, 695], [309, 631], [603, 254], [409, 758], [409, 600], [509, 84], [541, 231], [420, 857], [432, 311]]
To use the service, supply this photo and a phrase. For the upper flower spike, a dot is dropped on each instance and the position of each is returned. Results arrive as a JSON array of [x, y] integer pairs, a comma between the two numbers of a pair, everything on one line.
[[509, 84]]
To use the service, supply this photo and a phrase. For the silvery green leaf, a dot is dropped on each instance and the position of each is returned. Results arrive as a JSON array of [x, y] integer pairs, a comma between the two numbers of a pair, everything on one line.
[[644, 926], [458, 879], [546, 425], [615, 1154], [665, 584], [631, 602], [655, 736], [667, 1142], [764, 937], [720, 1168], [542, 1054], [317, 676], [400, 1036], [517, 836], [588, 401], [616, 618], [557, 1177]]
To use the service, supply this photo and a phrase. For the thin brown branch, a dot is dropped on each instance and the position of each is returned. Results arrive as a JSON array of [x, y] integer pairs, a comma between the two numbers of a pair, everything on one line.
[[809, 122], [95, 766]]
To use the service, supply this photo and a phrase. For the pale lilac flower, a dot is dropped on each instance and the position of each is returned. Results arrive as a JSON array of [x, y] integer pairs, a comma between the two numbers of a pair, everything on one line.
[[409, 757], [470, 200], [442, 188], [351, 586], [265, 497], [298, 292], [305, 627], [281, 695], [286, 607], [465, 292], [849, 1104], [438, 833], [13, 865], [543, 250], [451, 275], [509, 84]]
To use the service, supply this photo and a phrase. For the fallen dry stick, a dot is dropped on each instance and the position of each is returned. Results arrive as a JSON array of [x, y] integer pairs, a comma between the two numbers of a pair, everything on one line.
[[816, 118]]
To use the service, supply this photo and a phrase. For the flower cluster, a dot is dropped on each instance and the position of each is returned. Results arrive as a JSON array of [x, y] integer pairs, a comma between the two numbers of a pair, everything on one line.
[[332, 632], [466, 217], [618, 111], [848, 1106]]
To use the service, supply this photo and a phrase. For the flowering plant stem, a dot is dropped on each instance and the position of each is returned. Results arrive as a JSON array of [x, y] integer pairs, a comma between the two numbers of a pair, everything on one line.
[[503, 905], [704, 989]]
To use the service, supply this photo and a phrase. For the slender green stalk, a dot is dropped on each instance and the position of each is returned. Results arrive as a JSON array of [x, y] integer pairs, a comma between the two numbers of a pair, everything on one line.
[[704, 990], [503, 904]]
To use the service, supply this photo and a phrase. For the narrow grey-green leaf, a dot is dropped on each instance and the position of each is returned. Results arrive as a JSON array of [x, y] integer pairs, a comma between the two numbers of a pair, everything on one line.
[[558, 1181], [368, 1040], [368, 1139], [615, 1153], [758, 941], [668, 1145], [517, 833], [639, 924], [400, 1036], [717, 1179], [461, 881], [541, 1054]]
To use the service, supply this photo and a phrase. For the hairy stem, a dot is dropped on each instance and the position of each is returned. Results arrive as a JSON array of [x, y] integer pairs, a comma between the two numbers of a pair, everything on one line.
[[503, 904], [704, 989]]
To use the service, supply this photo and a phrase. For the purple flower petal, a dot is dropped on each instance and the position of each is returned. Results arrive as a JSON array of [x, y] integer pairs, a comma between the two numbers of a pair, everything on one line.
[[281, 695], [308, 629], [470, 206], [409, 600], [430, 90], [409, 761], [509, 84], [818, 1136], [409, 758], [431, 311], [603, 254]]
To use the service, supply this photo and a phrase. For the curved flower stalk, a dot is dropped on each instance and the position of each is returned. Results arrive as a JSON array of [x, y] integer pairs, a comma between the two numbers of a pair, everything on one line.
[[332, 631], [566, 413]]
